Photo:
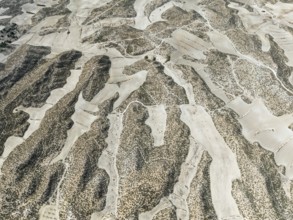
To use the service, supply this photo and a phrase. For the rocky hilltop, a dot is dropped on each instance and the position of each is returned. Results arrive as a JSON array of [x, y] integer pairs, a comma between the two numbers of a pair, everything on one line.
[[146, 109]]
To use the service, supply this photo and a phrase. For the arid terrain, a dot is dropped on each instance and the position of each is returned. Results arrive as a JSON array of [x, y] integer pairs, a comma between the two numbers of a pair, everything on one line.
[[146, 109]]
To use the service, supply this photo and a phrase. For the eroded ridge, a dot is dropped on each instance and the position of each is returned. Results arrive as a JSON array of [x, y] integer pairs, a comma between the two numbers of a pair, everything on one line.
[[146, 110]]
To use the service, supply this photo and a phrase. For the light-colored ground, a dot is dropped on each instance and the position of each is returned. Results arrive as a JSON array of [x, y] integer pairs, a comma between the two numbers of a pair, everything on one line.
[[157, 121], [224, 168], [83, 117], [271, 132], [258, 123], [107, 161]]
